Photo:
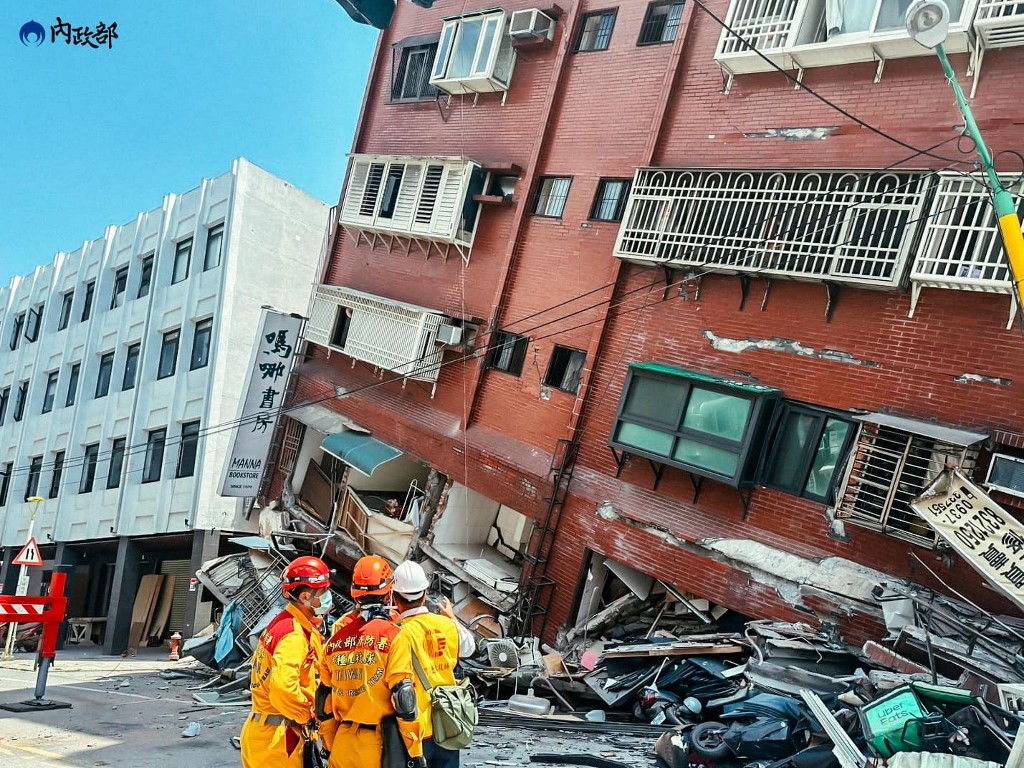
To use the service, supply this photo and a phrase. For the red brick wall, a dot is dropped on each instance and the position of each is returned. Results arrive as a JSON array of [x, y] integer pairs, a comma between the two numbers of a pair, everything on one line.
[[604, 109]]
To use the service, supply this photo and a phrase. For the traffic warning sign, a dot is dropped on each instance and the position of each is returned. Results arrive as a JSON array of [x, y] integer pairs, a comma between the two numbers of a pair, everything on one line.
[[29, 554]]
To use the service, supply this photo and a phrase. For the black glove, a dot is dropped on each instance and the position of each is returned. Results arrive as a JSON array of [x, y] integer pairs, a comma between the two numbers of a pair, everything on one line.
[[417, 762]]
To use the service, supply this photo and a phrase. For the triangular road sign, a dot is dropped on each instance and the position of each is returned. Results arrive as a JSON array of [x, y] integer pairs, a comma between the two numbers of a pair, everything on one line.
[[29, 554]]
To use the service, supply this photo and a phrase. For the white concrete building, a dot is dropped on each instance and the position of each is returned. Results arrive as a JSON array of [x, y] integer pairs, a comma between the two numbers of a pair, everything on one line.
[[114, 361]]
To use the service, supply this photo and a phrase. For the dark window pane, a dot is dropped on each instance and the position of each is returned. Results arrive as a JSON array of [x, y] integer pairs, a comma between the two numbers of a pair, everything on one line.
[[788, 468], [58, 473], [116, 462], [5, 399], [214, 245], [187, 449], [35, 468], [596, 31], [661, 24], [656, 400], [73, 384], [131, 366], [103, 376], [92, 453], [65, 310], [392, 185], [154, 455], [507, 353], [565, 369], [182, 261], [90, 289], [551, 196], [51, 391], [827, 458], [33, 323], [412, 76], [146, 278], [610, 201], [717, 414], [120, 288], [168, 354], [16, 330], [5, 482], [201, 344], [20, 400]]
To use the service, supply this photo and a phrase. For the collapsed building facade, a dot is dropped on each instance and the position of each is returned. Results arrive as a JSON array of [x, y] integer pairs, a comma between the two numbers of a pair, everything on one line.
[[610, 299]]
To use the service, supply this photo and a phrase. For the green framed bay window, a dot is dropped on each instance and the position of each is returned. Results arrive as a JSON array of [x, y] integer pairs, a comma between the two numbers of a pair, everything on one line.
[[706, 425]]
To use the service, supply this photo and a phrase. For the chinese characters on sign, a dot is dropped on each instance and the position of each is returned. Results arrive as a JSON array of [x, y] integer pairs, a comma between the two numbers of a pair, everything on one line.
[[263, 398], [103, 34], [981, 531]]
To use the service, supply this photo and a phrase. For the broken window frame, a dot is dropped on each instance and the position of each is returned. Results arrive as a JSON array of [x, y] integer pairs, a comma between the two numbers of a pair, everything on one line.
[[690, 437], [777, 448], [886, 468], [507, 353], [565, 369]]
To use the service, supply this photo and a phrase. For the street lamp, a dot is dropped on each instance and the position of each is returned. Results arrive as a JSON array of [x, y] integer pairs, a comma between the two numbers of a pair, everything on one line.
[[22, 589], [928, 23]]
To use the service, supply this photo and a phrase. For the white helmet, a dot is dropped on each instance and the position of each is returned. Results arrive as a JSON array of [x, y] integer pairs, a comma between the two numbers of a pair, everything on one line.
[[410, 580]]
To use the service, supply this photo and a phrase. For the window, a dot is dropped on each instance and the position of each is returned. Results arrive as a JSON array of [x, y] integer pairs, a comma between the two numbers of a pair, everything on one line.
[[103, 375], [596, 30], [201, 344], [474, 54], [5, 482], [182, 261], [342, 321], [392, 184], [154, 455], [661, 23], [131, 366], [146, 279], [893, 459], [187, 449], [410, 79], [565, 369], [33, 322], [35, 468], [90, 290], [168, 354], [73, 384], [700, 423], [92, 455], [120, 288], [610, 201], [806, 447], [116, 462], [65, 310], [20, 400], [51, 391], [507, 353], [58, 472], [214, 246], [5, 398], [16, 329], [551, 195]]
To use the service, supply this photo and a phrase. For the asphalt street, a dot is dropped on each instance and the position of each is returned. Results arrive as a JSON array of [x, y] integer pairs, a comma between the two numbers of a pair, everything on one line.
[[125, 714]]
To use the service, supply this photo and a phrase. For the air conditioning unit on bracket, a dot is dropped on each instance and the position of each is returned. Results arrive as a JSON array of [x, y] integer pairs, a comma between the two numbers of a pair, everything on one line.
[[531, 23], [1006, 474], [449, 334]]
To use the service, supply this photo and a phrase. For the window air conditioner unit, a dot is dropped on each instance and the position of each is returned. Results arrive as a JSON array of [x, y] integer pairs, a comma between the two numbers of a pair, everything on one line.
[[1006, 474], [449, 334], [532, 22]]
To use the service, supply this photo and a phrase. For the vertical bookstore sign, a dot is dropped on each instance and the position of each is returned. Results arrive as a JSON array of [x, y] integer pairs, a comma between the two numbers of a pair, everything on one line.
[[264, 396]]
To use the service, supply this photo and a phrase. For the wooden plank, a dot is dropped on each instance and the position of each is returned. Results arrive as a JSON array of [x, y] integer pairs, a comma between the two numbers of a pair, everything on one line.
[[142, 610], [162, 611]]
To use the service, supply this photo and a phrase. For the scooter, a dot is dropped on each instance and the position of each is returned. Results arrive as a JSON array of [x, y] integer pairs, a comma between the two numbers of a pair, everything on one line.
[[26, 639], [661, 707]]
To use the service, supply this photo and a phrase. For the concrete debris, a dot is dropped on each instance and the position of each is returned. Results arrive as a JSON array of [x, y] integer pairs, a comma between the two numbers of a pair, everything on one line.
[[191, 730]]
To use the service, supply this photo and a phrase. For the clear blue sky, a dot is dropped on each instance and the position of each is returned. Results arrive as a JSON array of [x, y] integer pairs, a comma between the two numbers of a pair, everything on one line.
[[88, 138]]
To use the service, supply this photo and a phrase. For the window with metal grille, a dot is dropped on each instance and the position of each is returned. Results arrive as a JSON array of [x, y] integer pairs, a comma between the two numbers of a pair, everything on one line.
[[507, 352], [294, 431], [890, 465], [153, 464], [610, 201], [806, 447], [565, 369], [842, 226], [410, 66], [551, 196], [596, 30], [661, 23], [92, 456]]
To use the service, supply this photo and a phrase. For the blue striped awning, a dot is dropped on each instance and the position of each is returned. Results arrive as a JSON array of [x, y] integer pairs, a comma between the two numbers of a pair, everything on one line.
[[359, 450]]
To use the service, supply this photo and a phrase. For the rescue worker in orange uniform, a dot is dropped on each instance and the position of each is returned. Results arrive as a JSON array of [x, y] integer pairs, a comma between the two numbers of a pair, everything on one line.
[[438, 642], [367, 676], [285, 668]]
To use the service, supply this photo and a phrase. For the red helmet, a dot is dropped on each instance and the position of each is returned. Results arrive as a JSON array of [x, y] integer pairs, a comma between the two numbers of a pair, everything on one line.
[[310, 572], [372, 577]]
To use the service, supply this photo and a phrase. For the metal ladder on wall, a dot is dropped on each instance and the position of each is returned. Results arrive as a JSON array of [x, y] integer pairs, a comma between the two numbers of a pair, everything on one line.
[[536, 590]]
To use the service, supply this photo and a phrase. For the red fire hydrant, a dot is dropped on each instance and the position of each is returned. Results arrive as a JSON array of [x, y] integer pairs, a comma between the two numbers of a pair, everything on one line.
[[176, 646]]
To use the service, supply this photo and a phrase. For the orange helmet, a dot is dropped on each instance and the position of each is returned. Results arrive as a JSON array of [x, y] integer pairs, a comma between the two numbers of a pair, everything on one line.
[[372, 577], [310, 572]]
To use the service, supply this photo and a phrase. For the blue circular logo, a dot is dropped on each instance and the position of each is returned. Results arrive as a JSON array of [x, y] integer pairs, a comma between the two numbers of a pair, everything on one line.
[[32, 33]]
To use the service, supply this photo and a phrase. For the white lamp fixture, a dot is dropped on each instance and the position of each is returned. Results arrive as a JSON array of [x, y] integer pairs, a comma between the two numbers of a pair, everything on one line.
[[928, 22]]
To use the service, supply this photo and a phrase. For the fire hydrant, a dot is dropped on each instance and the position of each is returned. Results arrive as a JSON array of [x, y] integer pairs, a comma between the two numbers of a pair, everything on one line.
[[176, 646]]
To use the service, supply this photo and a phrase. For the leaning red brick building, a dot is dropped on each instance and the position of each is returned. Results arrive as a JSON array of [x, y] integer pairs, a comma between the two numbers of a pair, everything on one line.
[[701, 293]]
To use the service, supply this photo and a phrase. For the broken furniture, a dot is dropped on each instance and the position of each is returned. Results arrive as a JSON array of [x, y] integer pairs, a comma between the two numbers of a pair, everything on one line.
[[86, 628]]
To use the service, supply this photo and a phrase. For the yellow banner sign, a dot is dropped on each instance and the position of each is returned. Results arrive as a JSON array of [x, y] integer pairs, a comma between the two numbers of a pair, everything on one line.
[[981, 531]]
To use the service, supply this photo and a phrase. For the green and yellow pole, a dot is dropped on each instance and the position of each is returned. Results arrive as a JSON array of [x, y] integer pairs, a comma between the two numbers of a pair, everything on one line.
[[1006, 211]]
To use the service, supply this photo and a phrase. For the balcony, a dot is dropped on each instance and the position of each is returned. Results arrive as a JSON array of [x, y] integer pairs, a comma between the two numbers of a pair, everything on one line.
[[407, 202], [1000, 23], [961, 248], [847, 227], [798, 34], [389, 335]]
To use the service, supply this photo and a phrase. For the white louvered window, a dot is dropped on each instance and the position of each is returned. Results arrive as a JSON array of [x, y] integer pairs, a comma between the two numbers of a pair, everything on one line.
[[423, 200], [840, 226], [813, 33], [891, 463], [386, 334], [1000, 23]]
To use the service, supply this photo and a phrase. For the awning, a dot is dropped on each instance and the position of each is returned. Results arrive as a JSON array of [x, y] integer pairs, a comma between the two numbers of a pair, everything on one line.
[[359, 451], [936, 432], [376, 13]]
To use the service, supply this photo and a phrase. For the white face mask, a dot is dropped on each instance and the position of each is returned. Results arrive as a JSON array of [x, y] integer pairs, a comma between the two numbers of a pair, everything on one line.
[[326, 603]]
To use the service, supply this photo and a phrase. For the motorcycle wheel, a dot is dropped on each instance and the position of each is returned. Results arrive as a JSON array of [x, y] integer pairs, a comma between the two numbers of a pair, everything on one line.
[[707, 740]]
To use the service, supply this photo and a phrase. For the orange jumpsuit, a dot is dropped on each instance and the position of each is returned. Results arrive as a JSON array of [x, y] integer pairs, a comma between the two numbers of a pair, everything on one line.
[[362, 662], [285, 667]]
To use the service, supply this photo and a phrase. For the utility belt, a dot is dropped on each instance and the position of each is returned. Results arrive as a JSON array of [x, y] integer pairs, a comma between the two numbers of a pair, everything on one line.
[[358, 726], [273, 720]]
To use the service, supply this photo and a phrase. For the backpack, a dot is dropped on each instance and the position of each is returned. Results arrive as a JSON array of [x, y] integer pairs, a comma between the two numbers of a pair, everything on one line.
[[453, 712]]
